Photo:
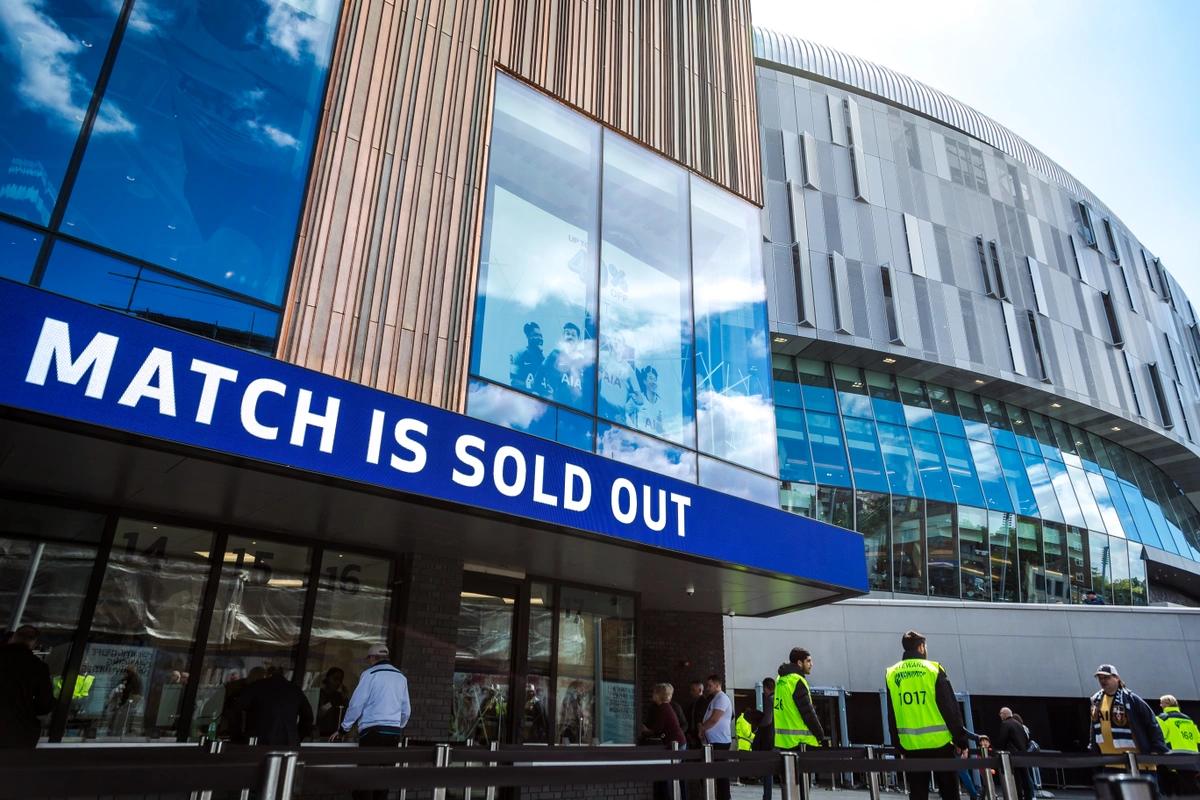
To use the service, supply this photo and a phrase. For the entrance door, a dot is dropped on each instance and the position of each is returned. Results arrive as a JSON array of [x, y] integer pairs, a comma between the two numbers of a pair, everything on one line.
[[483, 666]]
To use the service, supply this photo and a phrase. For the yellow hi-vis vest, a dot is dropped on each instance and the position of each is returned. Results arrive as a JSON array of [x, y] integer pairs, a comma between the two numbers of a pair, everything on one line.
[[790, 730], [83, 686], [1178, 729], [743, 732], [911, 688]]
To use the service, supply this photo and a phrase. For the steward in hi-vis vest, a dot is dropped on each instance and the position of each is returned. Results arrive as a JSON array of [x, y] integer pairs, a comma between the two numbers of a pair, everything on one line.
[[1178, 728], [743, 732], [796, 721], [924, 718]]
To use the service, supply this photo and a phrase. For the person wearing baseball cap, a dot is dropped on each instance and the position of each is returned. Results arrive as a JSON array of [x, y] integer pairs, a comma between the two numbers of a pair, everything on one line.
[[1122, 722], [379, 705]]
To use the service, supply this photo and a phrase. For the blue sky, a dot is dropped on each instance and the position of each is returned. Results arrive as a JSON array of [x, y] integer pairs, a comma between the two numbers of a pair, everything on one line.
[[1110, 90]]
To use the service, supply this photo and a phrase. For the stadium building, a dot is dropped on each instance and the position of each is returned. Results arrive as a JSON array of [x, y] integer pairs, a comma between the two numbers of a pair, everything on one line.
[[565, 348]]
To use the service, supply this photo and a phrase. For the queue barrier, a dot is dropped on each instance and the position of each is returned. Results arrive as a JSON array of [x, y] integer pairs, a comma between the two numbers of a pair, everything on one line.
[[286, 774]]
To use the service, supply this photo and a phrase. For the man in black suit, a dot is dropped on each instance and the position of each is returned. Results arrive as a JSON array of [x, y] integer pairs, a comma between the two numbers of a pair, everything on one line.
[[277, 712], [25, 691]]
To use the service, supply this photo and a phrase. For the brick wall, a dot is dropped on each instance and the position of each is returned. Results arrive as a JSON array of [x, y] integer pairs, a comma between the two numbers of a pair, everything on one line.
[[677, 647], [425, 638]]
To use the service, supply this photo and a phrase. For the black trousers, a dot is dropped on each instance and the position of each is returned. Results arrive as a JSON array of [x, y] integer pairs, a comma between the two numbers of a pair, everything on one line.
[[374, 738], [722, 783], [918, 782]]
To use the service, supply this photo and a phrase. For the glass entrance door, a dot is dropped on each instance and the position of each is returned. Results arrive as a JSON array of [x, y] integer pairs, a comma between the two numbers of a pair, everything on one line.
[[483, 666]]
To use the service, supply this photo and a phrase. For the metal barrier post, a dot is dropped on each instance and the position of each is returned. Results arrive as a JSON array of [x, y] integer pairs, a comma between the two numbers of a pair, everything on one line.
[[442, 759], [1010, 780], [272, 766], [791, 789], [491, 790], [872, 777], [805, 782], [288, 780], [676, 789], [710, 784], [985, 775], [1133, 765]]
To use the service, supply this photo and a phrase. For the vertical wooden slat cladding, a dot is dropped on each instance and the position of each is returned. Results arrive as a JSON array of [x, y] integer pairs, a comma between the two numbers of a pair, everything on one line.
[[382, 291]]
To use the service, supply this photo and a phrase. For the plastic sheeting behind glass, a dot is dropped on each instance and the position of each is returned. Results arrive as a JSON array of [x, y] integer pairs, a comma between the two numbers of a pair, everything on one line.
[[735, 419]]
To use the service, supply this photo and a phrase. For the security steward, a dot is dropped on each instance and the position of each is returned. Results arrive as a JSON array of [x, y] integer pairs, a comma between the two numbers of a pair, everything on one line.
[[1182, 736], [923, 716], [743, 732], [796, 720]]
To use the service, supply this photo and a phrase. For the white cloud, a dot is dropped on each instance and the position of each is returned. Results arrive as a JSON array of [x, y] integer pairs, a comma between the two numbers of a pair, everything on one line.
[[302, 25], [504, 407], [738, 428], [144, 18], [621, 446], [274, 135], [47, 80]]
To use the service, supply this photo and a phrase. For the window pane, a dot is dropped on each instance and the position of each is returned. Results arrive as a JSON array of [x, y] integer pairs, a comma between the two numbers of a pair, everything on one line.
[[898, 457], [1040, 483], [500, 406], [972, 415], [852, 392], [885, 398], [799, 498], [18, 250], [1087, 503], [575, 430], [962, 471], [974, 553], [535, 715], [865, 456], [836, 506], [118, 285], [1108, 510], [1137, 574], [1100, 560], [795, 459], [1027, 442], [1119, 556], [735, 419], [1018, 481], [596, 668], [1065, 493], [1077, 557], [786, 385], [52, 52], [1035, 578], [935, 477], [917, 411], [351, 613], [945, 411], [143, 632], [46, 559], [817, 386], [908, 544], [1003, 537], [828, 451], [1002, 432], [634, 449], [943, 550], [210, 117], [538, 259], [739, 482], [1058, 571], [483, 662], [873, 521], [255, 628], [645, 295], [991, 476]]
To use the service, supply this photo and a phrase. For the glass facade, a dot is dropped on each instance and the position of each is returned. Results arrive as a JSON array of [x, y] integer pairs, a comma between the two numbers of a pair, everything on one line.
[[962, 495], [622, 304], [178, 199]]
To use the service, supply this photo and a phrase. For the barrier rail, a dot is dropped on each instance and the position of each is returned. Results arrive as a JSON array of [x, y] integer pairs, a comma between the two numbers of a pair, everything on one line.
[[283, 774]]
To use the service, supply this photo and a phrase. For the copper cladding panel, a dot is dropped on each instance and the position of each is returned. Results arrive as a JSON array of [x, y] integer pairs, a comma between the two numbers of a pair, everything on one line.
[[382, 291]]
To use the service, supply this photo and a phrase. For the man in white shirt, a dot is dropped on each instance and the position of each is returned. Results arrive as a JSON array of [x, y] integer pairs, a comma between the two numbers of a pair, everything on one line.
[[379, 704], [716, 728]]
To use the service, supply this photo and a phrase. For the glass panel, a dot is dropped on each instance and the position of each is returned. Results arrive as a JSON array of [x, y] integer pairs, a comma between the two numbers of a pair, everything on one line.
[[1119, 555], [1061, 481], [795, 459], [1087, 503], [255, 628], [873, 521], [1045, 437], [46, 559], [634, 449], [935, 478], [483, 660], [537, 266], [1018, 481], [865, 456], [1077, 557], [118, 285], [535, 715], [1035, 578], [836, 506], [143, 632], [351, 613], [852, 392], [885, 398], [943, 550], [645, 297], [991, 476], [18, 250], [52, 53], [1002, 534], [1084, 447], [1137, 574], [974, 553], [945, 411], [908, 544], [917, 411], [1145, 530], [786, 384], [1066, 442], [1043, 488], [1100, 560], [816, 385], [1108, 510], [739, 482], [500, 406], [799, 498], [1058, 569], [596, 668], [1002, 431], [210, 114], [828, 451], [1022, 427], [735, 420], [898, 457], [962, 471], [1100, 452], [972, 415]]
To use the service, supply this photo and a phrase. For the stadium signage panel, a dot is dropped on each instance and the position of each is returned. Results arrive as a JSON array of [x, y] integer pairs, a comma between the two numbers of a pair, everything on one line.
[[79, 362]]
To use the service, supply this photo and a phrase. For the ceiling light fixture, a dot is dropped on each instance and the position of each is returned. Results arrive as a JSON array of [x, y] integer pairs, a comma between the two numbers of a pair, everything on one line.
[[980, 381], [1115, 428], [779, 339], [1056, 405], [889, 360]]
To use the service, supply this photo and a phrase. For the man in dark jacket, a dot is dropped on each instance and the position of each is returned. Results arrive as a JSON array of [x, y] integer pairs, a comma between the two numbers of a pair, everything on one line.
[[25, 690], [1012, 737], [695, 712], [277, 712], [1122, 722], [800, 663]]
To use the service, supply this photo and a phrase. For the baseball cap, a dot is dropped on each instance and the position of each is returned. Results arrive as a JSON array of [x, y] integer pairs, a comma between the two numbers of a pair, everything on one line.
[[1107, 669], [379, 649]]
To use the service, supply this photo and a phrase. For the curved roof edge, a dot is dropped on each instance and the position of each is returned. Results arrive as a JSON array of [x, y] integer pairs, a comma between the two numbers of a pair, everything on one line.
[[831, 65]]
